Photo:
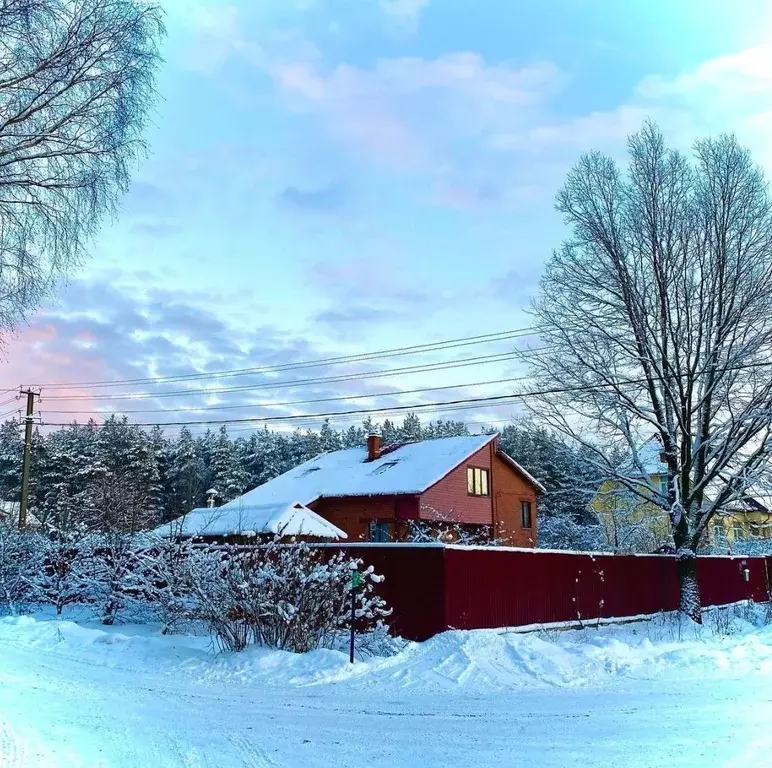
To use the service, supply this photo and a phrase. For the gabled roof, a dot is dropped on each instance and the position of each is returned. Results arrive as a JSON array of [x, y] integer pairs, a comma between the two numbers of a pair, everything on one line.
[[285, 518], [406, 470], [649, 456]]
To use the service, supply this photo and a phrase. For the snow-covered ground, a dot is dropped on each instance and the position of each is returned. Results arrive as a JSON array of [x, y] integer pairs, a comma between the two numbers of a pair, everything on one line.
[[635, 695]]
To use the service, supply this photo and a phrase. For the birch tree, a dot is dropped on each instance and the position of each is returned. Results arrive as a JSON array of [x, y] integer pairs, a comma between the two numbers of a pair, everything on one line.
[[76, 84], [656, 313]]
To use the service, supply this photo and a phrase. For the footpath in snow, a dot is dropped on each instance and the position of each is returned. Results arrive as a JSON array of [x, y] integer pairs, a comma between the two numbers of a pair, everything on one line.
[[644, 694]]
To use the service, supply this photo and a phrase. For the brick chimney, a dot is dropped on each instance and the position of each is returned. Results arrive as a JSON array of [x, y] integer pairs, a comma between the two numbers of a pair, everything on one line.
[[373, 446]]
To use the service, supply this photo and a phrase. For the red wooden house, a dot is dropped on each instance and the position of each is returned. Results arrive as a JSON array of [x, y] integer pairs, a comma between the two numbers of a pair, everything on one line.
[[372, 493]]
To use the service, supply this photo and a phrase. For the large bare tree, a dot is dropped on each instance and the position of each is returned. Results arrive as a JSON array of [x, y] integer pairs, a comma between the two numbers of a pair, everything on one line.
[[76, 85], [657, 318]]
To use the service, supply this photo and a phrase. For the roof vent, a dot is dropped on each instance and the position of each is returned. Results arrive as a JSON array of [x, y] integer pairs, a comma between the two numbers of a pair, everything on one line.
[[310, 470]]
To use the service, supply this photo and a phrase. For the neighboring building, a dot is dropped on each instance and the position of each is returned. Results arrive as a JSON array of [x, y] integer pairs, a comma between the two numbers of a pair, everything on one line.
[[632, 523], [9, 515], [374, 493], [747, 518], [278, 518], [635, 524]]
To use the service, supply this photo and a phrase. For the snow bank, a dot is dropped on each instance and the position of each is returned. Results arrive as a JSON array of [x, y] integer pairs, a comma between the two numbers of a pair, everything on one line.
[[470, 661]]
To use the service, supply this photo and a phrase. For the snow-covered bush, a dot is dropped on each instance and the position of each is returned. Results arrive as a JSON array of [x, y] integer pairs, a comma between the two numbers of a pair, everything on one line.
[[292, 596], [560, 532], [20, 560], [63, 575], [122, 577]]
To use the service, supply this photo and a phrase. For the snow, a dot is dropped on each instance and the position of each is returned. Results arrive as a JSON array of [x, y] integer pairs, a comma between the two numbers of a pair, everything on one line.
[[285, 518], [75, 694], [410, 469]]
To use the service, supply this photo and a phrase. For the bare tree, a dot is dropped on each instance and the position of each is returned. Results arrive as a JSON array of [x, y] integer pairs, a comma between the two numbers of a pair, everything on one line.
[[657, 318], [76, 85]]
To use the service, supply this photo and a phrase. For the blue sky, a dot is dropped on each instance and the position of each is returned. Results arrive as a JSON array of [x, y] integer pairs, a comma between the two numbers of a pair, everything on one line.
[[336, 176]]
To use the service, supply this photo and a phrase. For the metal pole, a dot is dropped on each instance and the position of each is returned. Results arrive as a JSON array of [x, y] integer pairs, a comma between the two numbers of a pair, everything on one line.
[[356, 581], [26, 460]]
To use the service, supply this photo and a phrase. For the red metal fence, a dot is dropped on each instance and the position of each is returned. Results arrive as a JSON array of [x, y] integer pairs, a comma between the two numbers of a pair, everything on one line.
[[432, 588]]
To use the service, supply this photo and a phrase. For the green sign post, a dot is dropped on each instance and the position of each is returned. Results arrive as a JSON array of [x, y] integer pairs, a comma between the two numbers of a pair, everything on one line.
[[356, 583]]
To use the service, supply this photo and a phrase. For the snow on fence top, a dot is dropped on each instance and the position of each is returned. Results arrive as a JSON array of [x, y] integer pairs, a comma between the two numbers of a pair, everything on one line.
[[284, 518], [408, 469]]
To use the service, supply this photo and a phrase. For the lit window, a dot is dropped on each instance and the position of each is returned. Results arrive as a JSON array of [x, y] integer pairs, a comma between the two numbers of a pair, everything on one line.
[[476, 481], [525, 514]]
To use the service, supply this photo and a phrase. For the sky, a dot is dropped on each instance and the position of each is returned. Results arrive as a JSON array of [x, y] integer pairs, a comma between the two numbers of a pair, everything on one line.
[[336, 177]]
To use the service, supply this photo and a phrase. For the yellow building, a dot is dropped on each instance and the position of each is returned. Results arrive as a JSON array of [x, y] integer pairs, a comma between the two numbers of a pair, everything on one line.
[[636, 522]]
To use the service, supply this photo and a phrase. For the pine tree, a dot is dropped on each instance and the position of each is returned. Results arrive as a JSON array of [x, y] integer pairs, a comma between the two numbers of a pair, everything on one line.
[[186, 474], [227, 476], [11, 452], [411, 431]]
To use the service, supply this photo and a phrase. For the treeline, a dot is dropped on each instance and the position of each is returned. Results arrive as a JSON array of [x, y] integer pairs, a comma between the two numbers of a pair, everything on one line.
[[120, 476]]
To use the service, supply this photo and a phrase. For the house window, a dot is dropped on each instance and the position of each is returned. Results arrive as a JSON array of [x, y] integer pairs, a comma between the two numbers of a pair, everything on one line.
[[476, 481], [378, 531], [525, 514], [663, 484]]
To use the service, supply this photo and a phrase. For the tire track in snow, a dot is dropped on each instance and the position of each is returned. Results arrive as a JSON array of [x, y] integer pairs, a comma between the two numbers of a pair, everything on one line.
[[13, 753]]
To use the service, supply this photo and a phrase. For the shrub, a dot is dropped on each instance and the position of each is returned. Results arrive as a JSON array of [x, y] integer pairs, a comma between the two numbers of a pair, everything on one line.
[[292, 596]]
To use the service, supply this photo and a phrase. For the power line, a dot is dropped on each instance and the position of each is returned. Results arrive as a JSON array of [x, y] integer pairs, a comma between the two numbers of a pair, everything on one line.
[[419, 368], [459, 404], [361, 357], [283, 403], [261, 419]]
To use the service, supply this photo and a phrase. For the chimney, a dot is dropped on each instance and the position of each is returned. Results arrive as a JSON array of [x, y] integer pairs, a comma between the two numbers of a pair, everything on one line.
[[373, 446]]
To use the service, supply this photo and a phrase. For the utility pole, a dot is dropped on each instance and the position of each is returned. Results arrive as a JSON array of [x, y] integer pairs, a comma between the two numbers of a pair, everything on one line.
[[31, 395]]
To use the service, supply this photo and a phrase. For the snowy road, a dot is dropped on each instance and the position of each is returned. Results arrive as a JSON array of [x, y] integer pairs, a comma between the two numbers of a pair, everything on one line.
[[75, 697]]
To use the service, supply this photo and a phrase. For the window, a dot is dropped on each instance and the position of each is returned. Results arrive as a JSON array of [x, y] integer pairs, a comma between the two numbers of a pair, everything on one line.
[[476, 481], [525, 513], [385, 466], [379, 531]]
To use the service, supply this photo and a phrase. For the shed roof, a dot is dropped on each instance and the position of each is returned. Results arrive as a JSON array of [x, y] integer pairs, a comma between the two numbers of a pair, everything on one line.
[[282, 518]]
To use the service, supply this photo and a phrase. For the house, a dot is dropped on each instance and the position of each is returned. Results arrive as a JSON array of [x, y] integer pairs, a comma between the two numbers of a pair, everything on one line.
[[749, 517], [375, 492], [634, 523]]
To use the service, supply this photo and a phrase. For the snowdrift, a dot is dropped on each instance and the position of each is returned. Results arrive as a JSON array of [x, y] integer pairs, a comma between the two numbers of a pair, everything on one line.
[[468, 661]]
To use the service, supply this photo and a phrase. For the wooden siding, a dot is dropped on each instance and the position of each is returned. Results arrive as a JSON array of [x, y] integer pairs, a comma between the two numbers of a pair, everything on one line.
[[510, 488], [448, 499]]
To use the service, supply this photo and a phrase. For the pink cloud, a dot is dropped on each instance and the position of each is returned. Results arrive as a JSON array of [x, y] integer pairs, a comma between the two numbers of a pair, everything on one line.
[[35, 357], [408, 110]]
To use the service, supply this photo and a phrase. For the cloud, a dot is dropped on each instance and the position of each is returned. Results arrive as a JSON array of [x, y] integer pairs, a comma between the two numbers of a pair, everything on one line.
[[404, 13], [468, 196], [104, 330], [404, 111], [366, 295], [727, 93], [325, 199]]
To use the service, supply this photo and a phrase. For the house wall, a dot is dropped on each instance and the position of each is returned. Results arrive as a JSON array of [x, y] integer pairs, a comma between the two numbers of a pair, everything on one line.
[[353, 515], [448, 499], [626, 517], [510, 488]]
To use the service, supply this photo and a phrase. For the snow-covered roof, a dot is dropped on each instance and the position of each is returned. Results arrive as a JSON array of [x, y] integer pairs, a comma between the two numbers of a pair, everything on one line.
[[649, 456], [408, 469], [283, 518]]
